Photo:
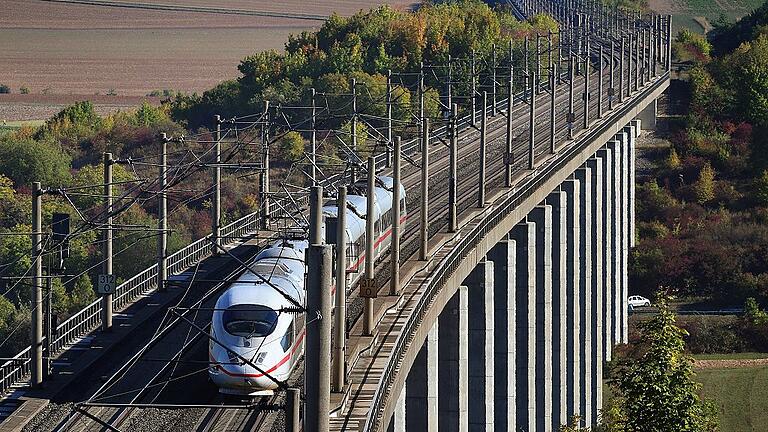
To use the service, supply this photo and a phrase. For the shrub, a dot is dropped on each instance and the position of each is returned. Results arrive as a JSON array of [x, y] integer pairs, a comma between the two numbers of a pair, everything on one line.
[[24, 90], [753, 313], [713, 335], [4, 88]]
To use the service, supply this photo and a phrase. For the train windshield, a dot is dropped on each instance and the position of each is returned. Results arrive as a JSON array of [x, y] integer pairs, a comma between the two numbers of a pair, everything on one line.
[[248, 320]]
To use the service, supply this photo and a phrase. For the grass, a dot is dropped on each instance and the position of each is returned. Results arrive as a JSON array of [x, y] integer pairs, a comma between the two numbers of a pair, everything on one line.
[[18, 124], [740, 395]]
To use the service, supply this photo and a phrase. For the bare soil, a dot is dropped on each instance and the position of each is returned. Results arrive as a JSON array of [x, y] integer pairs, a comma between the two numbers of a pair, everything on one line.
[[25, 107], [84, 50]]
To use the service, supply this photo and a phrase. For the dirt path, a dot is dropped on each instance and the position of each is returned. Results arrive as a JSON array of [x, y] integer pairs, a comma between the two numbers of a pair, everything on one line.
[[704, 23], [730, 364]]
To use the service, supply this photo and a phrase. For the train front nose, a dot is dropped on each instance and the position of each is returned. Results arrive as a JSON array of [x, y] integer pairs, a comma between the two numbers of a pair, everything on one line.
[[241, 379]]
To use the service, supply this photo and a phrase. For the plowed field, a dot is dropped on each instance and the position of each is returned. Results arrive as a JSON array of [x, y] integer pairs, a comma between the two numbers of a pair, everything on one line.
[[130, 48]]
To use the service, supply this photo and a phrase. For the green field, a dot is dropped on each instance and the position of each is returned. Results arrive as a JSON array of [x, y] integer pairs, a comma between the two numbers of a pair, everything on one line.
[[740, 394], [684, 11]]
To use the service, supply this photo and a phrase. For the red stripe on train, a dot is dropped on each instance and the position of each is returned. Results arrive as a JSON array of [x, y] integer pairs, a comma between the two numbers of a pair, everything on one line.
[[258, 375]]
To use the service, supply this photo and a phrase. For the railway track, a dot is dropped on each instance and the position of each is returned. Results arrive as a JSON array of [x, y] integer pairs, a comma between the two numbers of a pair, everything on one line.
[[152, 383]]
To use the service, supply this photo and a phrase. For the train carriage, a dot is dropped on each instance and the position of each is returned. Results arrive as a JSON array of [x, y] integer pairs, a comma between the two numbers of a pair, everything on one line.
[[250, 318]]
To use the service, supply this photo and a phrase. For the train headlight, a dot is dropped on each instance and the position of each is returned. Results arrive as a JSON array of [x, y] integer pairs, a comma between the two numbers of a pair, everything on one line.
[[233, 358]]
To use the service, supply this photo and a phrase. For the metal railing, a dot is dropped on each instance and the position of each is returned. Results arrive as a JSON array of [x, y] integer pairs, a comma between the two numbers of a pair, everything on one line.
[[89, 318], [447, 266]]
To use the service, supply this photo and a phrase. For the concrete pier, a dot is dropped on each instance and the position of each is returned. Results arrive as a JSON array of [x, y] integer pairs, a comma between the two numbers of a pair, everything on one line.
[[542, 217], [503, 257], [480, 286], [559, 202], [453, 364], [421, 406], [524, 235], [584, 176], [598, 281], [572, 189]]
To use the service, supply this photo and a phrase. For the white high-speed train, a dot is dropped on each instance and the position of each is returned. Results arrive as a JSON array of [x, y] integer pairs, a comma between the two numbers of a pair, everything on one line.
[[246, 319]]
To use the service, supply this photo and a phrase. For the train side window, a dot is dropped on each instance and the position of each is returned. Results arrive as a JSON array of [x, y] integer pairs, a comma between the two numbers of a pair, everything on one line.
[[287, 341]]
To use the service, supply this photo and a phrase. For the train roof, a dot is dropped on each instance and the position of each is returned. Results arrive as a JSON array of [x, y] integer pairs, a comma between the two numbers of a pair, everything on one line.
[[355, 201], [249, 289]]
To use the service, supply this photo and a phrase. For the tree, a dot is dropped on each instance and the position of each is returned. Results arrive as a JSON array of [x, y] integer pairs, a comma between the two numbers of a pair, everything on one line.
[[655, 390], [761, 188], [673, 160], [290, 147], [26, 160], [705, 185], [72, 124]]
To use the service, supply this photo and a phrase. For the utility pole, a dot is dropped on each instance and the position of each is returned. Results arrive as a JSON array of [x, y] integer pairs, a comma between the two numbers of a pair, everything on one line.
[[483, 145], [473, 89], [394, 254], [48, 321], [36, 362], [162, 221], [532, 124], [313, 134], [493, 80], [424, 213], [317, 385], [587, 67], [508, 159], [216, 208], [293, 410], [421, 103], [453, 172], [611, 81], [638, 38], [600, 84], [340, 335], [553, 96], [550, 63], [370, 241], [389, 118], [621, 70], [526, 60], [316, 215], [571, 88], [449, 85], [353, 129], [106, 299], [538, 63], [630, 64], [264, 190]]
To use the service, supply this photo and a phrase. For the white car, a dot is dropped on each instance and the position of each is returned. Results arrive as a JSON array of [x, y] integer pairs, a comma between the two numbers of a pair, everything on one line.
[[638, 301]]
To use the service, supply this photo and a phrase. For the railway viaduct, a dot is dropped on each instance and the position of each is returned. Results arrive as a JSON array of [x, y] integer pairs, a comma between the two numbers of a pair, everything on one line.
[[517, 293], [508, 323]]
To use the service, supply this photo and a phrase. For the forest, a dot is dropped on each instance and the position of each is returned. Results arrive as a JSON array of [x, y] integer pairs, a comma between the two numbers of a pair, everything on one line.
[[704, 212]]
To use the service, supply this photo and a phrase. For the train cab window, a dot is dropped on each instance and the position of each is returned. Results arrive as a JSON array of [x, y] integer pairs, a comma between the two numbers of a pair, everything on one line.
[[249, 320], [287, 340]]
